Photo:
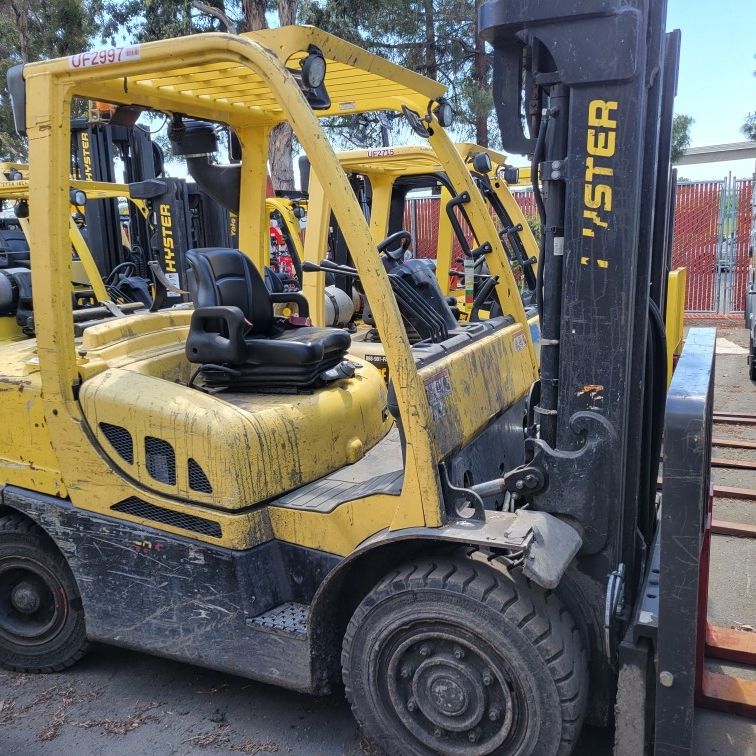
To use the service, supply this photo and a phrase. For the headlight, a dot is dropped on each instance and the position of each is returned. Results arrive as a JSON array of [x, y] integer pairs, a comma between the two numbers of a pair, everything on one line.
[[482, 162], [313, 70], [78, 197], [444, 112]]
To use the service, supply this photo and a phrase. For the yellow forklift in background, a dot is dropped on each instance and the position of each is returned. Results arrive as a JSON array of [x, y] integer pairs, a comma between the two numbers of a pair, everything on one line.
[[383, 177], [391, 173], [93, 292]]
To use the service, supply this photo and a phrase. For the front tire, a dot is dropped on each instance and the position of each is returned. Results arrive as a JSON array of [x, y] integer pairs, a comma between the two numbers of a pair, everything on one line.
[[453, 656], [41, 616]]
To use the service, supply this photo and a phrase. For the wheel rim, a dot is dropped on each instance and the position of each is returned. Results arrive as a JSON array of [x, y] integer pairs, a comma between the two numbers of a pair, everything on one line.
[[450, 690], [33, 603]]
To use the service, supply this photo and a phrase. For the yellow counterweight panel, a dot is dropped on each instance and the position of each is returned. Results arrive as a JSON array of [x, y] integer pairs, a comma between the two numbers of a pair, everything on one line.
[[29, 460], [251, 447]]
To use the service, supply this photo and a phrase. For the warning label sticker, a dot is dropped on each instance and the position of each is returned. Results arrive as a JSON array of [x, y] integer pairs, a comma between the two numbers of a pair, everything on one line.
[[437, 388]]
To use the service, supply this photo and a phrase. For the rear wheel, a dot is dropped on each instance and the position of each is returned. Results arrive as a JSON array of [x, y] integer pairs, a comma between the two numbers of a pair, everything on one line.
[[453, 656], [41, 616]]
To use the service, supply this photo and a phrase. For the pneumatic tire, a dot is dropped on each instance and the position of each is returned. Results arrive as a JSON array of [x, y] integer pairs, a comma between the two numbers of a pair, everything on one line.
[[41, 616], [455, 656]]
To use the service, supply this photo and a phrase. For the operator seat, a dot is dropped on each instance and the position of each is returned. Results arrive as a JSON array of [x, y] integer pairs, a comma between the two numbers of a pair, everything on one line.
[[240, 343]]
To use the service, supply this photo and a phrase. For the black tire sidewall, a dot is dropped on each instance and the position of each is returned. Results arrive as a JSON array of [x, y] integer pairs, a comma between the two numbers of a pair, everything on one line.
[[69, 642], [541, 734]]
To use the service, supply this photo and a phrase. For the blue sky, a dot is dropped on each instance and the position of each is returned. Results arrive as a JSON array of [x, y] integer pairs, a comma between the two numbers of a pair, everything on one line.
[[716, 84]]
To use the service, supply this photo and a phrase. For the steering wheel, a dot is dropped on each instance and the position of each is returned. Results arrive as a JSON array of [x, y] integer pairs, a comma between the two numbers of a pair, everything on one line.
[[405, 237]]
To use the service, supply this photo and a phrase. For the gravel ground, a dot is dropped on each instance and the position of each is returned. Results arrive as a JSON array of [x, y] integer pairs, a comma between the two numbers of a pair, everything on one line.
[[117, 702]]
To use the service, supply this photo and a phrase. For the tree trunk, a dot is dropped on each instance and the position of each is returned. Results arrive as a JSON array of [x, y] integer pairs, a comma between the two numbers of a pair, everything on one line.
[[282, 136], [281, 142], [481, 80], [253, 15], [287, 12], [21, 14], [280, 156], [431, 61]]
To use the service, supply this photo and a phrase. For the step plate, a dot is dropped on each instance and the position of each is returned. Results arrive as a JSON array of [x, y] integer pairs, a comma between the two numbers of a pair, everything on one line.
[[288, 618]]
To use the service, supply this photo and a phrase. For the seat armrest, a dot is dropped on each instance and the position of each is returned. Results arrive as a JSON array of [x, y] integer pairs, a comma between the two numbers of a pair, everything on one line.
[[292, 297], [216, 335]]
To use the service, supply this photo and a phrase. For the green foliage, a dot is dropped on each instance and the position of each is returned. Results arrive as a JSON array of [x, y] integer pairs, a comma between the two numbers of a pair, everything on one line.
[[748, 129], [33, 30], [680, 135], [436, 38], [149, 20]]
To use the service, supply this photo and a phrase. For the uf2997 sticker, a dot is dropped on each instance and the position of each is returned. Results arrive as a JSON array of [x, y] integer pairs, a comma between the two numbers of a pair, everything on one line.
[[104, 57]]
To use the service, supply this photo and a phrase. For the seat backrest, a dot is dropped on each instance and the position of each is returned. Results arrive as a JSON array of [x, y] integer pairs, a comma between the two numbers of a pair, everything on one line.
[[218, 276]]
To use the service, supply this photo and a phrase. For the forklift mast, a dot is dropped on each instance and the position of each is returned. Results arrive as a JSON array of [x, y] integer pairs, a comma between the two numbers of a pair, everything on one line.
[[586, 90], [94, 147], [182, 216]]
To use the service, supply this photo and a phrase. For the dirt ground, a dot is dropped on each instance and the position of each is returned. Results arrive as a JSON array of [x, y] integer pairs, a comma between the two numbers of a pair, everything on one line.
[[116, 702]]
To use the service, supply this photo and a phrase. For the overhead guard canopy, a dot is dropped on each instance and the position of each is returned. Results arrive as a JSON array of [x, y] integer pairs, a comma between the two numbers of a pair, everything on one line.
[[412, 160], [189, 81]]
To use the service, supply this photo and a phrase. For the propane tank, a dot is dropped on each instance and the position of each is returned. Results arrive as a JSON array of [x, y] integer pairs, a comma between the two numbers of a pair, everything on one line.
[[339, 307], [13, 282]]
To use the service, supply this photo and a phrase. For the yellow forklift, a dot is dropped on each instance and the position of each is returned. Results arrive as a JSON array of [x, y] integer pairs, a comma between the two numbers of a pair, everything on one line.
[[93, 295], [476, 553], [383, 177], [230, 488], [380, 179], [389, 174]]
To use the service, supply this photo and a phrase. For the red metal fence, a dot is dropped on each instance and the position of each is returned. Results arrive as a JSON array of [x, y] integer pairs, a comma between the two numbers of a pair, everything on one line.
[[421, 217], [744, 237], [711, 236], [695, 240]]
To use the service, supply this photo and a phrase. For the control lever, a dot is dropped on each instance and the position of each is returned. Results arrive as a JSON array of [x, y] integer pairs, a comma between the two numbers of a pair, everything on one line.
[[326, 266]]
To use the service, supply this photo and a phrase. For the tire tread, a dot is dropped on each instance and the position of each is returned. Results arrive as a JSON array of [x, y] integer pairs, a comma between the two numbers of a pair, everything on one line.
[[539, 614], [14, 524]]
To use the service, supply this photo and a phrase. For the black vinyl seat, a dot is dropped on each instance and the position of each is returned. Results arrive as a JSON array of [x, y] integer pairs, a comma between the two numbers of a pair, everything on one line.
[[238, 340]]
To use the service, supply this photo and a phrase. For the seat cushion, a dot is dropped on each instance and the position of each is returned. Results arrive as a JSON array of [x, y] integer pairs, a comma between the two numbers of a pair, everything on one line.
[[298, 346]]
